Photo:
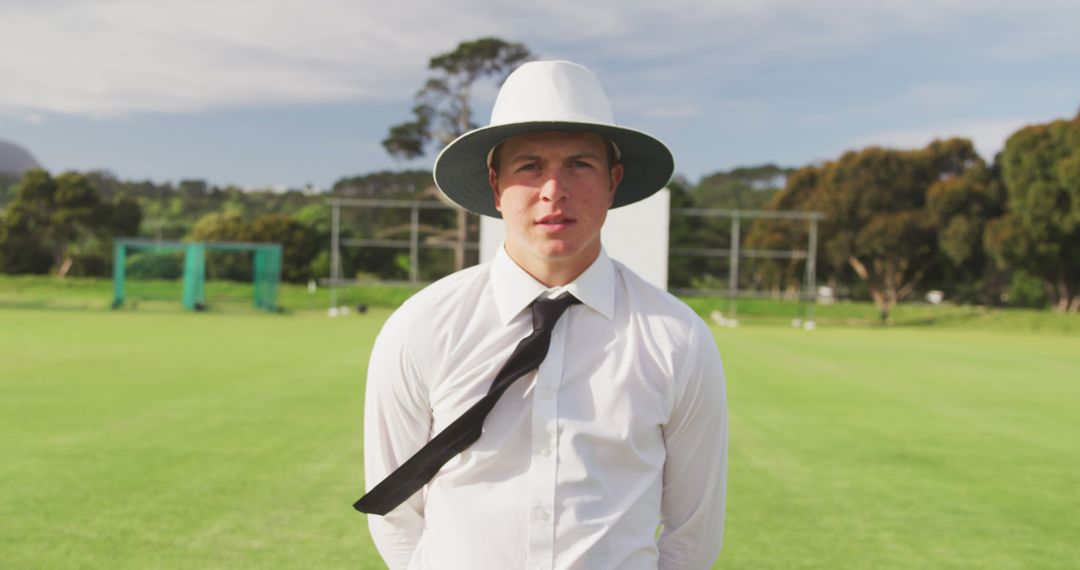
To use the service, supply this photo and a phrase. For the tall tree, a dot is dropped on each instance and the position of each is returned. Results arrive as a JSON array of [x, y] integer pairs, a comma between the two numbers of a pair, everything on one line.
[[1040, 233], [961, 207], [443, 106], [877, 222]]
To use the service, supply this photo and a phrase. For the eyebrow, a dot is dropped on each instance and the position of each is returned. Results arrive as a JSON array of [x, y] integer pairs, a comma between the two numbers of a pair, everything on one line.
[[532, 157], [586, 154], [524, 158]]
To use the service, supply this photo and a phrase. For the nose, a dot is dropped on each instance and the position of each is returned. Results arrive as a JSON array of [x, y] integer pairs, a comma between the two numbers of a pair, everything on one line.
[[555, 187]]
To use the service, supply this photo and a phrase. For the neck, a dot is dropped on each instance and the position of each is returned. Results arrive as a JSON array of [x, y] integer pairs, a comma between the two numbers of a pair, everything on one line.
[[553, 272]]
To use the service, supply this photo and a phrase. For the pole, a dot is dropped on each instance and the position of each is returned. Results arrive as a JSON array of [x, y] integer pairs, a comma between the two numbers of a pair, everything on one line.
[[459, 247], [414, 245], [811, 270], [335, 253], [733, 274]]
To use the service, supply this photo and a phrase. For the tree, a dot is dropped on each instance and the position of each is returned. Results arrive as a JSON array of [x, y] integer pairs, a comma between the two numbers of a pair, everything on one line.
[[215, 226], [778, 234], [961, 207], [56, 213], [443, 106], [742, 188], [877, 222], [683, 232], [300, 244], [443, 109], [1040, 232]]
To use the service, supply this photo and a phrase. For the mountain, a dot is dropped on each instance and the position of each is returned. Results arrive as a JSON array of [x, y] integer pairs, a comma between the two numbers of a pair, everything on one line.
[[14, 159]]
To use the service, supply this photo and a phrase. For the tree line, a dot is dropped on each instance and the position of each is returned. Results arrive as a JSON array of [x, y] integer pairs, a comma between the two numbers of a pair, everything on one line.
[[897, 222], [940, 217], [65, 225]]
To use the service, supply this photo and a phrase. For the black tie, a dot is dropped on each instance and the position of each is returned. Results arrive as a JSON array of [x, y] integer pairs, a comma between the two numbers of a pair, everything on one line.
[[464, 431]]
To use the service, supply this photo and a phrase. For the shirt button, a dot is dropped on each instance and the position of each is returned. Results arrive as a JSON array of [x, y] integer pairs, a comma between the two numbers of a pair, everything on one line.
[[541, 514]]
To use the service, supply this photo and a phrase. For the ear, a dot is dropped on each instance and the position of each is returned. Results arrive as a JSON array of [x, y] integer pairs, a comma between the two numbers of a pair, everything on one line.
[[616, 177], [493, 180]]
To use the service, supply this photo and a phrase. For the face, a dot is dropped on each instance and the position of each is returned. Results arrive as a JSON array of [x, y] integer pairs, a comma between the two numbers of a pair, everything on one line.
[[554, 190]]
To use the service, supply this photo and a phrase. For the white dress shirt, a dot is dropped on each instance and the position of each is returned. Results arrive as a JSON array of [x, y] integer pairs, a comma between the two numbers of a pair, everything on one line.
[[622, 428]]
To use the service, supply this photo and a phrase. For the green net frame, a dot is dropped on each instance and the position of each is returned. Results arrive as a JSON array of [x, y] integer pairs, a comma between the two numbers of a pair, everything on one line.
[[266, 268]]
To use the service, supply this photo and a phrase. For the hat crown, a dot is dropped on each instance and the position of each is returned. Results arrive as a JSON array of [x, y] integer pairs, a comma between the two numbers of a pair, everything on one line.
[[558, 91]]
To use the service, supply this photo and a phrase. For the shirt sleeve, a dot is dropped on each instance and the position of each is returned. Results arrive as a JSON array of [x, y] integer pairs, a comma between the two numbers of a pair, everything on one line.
[[397, 423], [695, 471]]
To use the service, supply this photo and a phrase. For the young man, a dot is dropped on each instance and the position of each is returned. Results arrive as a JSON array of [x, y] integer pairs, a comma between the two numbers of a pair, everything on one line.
[[548, 409]]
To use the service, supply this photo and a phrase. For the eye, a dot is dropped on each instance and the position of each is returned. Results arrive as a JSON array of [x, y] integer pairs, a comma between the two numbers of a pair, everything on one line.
[[581, 164], [528, 166]]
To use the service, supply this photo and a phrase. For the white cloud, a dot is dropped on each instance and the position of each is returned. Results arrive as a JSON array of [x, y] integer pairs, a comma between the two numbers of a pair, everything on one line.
[[115, 57]]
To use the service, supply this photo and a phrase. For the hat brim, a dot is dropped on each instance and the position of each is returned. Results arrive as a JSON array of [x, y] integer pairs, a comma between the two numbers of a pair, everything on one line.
[[461, 171]]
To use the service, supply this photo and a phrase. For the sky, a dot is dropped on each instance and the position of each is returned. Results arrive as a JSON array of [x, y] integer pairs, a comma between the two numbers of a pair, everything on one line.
[[287, 93]]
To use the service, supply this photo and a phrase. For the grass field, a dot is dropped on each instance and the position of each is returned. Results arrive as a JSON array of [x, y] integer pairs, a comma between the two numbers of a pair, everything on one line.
[[159, 439]]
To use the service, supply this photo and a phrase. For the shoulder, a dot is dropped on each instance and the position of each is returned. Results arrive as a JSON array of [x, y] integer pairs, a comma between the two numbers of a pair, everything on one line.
[[657, 306], [426, 323], [445, 295]]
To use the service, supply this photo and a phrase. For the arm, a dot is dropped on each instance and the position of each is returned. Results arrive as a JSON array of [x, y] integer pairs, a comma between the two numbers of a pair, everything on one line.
[[397, 422], [695, 472]]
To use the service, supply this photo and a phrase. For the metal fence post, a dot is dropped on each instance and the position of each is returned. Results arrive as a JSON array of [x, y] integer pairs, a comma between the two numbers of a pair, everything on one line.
[[733, 273], [414, 245], [335, 253]]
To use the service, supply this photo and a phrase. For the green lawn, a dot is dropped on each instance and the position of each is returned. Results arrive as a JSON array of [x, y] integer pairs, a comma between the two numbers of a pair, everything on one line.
[[160, 439]]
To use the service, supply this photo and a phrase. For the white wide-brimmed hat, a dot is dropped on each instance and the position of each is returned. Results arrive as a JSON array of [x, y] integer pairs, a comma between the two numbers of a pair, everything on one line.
[[550, 96]]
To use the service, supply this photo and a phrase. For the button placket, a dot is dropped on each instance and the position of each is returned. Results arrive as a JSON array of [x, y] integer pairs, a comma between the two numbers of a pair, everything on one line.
[[542, 469]]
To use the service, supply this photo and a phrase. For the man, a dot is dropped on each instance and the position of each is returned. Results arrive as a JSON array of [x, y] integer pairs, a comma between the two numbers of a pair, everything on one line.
[[623, 425]]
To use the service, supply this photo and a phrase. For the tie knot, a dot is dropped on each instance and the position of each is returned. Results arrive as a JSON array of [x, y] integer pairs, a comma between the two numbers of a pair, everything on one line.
[[546, 312]]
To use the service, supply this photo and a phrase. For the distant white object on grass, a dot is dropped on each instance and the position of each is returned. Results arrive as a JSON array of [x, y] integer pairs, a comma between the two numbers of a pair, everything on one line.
[[935, 297], [796, 323], [332, 312], [312, 286], [343, 311], [721, 321], [809, 325], [825, 295]]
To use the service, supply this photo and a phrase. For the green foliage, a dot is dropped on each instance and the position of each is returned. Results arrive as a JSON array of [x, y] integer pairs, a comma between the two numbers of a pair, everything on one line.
[[1040, 169], [151, 265], [300, 244], [399, 185], [64, 218], [1026, 290], [231, 265], [743, 188], [443, 109], [883, 209], [683, 231]]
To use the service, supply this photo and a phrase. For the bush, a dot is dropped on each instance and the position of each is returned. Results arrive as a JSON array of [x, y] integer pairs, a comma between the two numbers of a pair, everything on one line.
[[1026, 290]]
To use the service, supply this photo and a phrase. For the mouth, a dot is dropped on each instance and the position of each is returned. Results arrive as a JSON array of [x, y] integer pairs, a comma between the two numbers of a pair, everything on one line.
[[555, 220]]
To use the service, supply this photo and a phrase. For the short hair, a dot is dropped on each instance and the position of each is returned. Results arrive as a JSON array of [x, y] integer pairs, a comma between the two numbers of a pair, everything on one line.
[[612, 155]]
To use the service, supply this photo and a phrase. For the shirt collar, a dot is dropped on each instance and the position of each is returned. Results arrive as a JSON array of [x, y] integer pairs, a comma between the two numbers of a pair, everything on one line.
[[515, 289]]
